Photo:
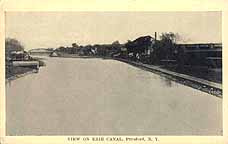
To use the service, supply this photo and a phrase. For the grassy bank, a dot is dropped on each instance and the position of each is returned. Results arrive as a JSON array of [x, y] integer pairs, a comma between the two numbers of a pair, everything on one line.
[[13, 72], [214, 75]]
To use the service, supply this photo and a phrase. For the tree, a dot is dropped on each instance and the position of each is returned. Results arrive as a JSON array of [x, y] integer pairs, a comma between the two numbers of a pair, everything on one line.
[[116, 47], [167, 45], [75, 45], [74, 49], [12, 44], [170, 37], [116, 43]]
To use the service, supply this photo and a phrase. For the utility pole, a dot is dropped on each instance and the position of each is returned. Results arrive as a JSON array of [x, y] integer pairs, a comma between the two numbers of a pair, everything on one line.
[[155, 36]]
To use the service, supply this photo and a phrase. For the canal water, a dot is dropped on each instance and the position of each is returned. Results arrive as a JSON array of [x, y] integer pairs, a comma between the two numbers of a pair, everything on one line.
[[74, 96]]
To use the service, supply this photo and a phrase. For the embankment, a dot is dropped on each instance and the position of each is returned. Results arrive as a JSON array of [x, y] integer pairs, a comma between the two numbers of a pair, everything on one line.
[[196, 83]]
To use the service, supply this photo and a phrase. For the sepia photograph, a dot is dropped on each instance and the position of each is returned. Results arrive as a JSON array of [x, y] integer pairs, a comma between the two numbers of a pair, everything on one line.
[[113, 73]]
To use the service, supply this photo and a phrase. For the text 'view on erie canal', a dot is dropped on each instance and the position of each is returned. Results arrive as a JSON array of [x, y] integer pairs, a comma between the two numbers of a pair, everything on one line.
[[113, 73]]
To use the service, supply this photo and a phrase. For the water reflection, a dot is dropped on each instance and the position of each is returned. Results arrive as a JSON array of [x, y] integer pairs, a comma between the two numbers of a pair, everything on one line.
[[167, 82], [146, 75]]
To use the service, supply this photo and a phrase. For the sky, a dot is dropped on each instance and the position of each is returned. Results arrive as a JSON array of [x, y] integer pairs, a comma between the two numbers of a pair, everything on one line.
[[55, 29]]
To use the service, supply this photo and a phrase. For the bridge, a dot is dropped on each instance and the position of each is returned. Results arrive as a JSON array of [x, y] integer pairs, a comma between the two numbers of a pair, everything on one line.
[[40, 51]]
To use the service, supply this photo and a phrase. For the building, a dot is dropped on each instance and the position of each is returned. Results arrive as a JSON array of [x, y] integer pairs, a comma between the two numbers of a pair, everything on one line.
[[142, 46], [200, 54]]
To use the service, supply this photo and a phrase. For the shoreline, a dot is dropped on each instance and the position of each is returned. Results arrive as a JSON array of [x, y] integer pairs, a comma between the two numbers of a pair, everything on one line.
[[211, 88], [77, 56], [22, 71], [16, 76]]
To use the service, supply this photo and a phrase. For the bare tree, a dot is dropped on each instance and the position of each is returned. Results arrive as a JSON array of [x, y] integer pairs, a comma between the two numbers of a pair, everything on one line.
[[168, 41], [170, 37]]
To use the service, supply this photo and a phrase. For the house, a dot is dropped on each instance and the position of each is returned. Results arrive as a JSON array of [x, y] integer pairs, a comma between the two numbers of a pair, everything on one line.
[[141, 46]]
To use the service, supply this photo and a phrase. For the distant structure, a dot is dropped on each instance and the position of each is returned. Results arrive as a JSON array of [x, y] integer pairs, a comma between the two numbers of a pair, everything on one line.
[[54, 54], [41, 51]]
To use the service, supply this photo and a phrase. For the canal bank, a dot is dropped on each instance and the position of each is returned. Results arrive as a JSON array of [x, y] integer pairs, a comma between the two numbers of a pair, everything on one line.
[[17, 69], [20, 74], [196, 83]]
